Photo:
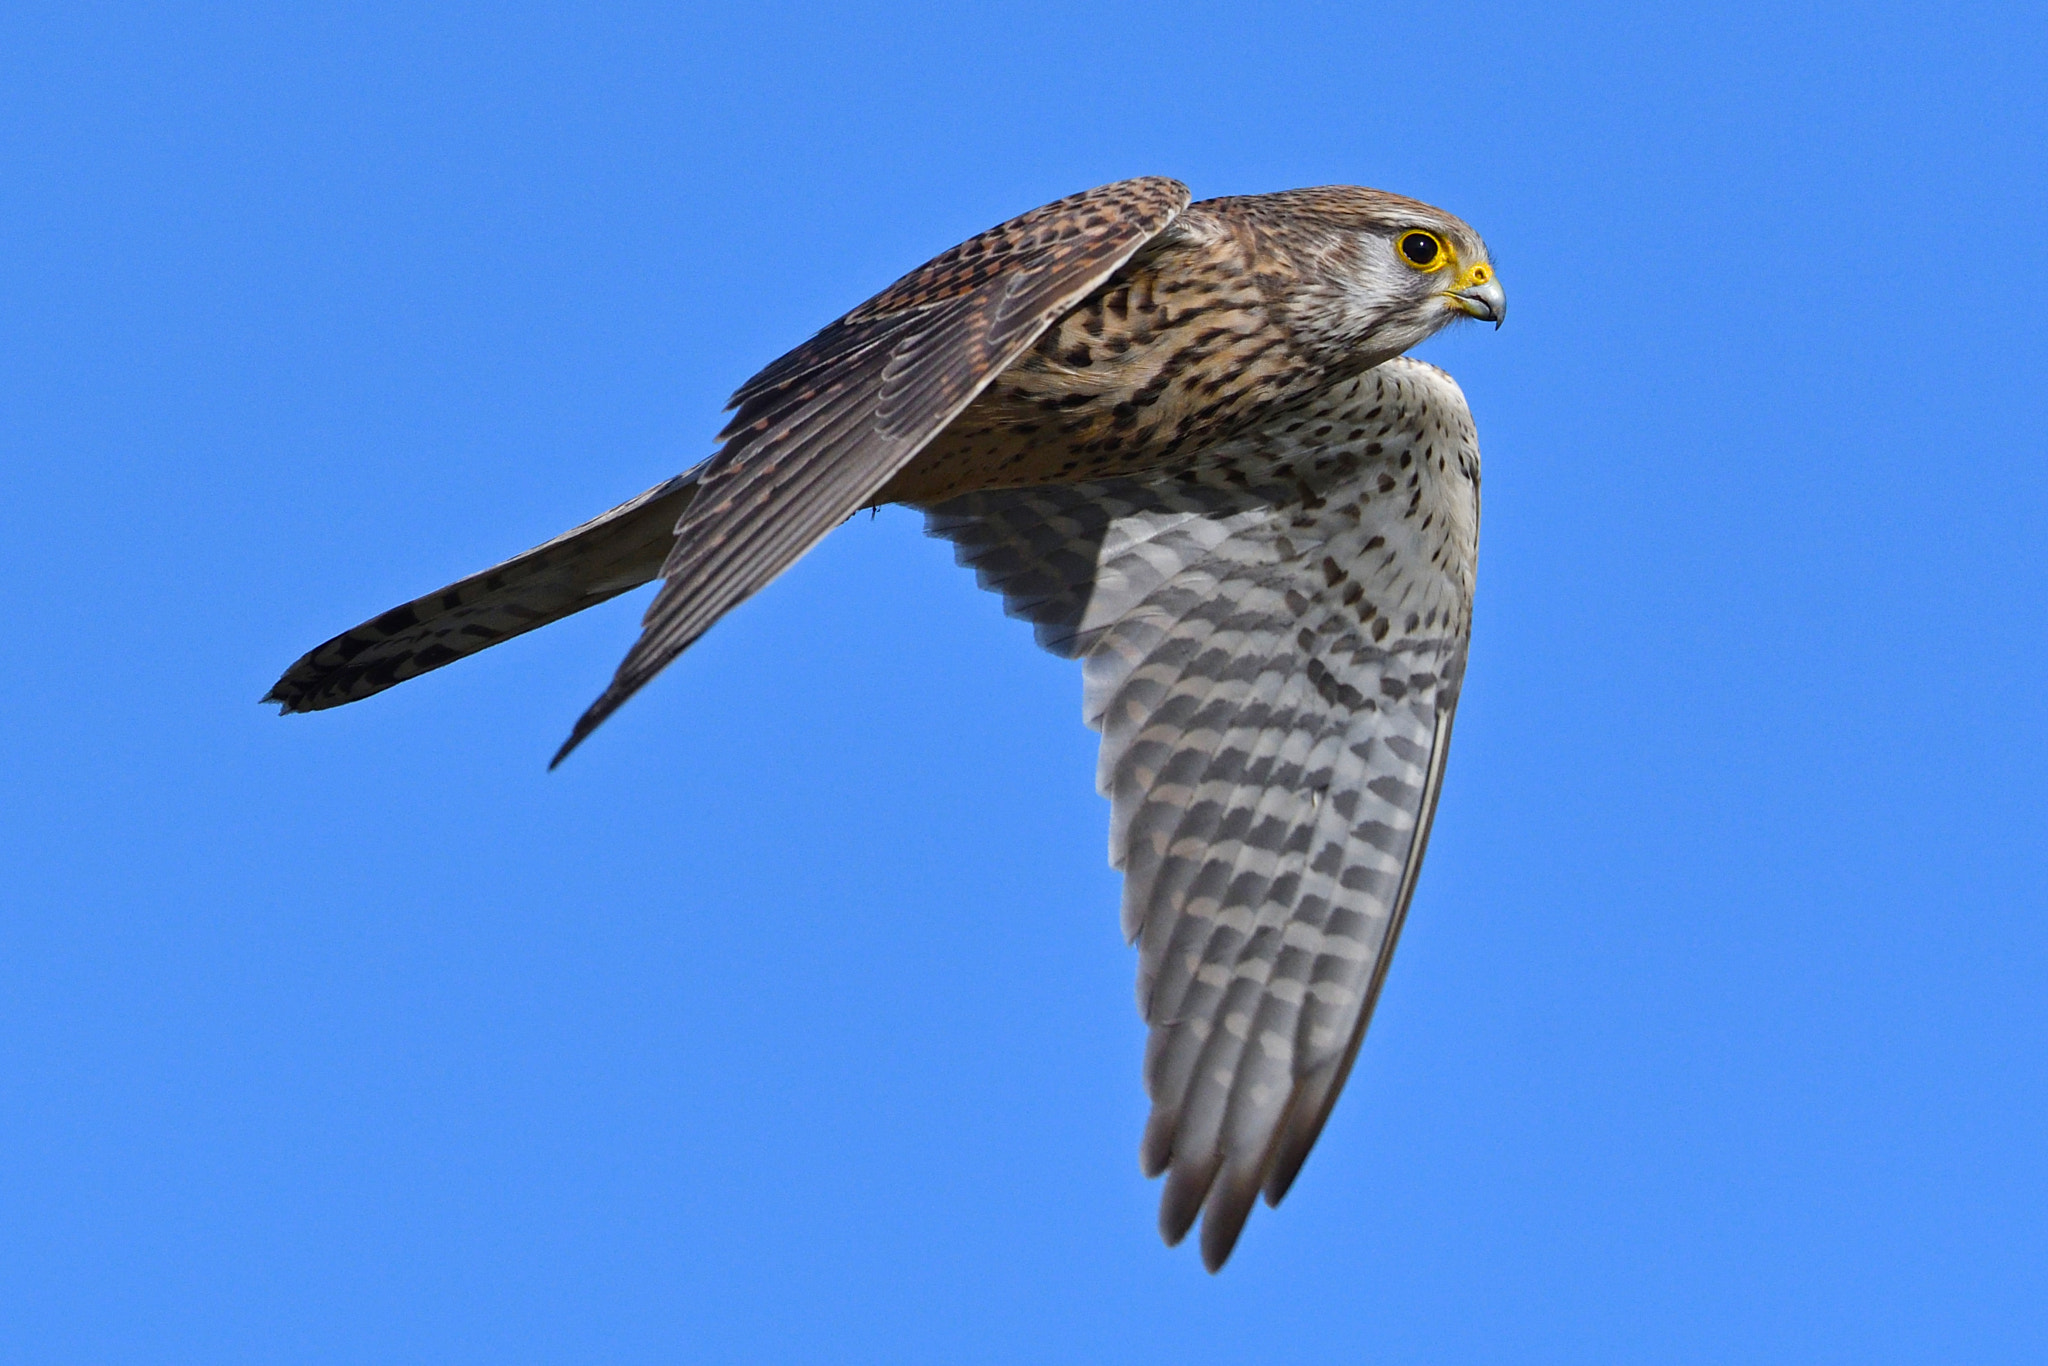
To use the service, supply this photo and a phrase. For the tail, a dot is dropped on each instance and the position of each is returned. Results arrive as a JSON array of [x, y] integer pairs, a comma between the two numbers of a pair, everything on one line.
[[580, 568]]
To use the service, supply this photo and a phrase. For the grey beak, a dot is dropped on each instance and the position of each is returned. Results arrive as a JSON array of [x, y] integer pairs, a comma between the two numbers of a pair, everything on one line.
[[1487, 302]]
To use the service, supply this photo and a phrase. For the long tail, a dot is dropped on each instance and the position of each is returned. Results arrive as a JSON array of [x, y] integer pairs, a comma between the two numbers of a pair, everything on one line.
[[580, 568]]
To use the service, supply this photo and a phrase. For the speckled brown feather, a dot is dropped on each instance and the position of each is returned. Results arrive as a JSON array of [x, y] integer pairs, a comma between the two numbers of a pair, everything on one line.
[[584, 566], [1223, 319], [818, 432]]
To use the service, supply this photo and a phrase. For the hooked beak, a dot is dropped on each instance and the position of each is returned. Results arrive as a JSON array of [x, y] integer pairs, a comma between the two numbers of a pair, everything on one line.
[[1486, 302]]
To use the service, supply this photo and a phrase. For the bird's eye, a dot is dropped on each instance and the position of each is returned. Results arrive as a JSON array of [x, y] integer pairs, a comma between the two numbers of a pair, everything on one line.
[[1423, 250]]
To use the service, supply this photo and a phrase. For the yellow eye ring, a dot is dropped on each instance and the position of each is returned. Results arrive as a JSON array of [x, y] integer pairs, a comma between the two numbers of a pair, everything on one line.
[[1424, 251]]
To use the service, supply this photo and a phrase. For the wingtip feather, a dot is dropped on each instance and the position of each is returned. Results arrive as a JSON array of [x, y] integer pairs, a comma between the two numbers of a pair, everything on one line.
[[1179, 1204], [1223, 1218], [586, 723]]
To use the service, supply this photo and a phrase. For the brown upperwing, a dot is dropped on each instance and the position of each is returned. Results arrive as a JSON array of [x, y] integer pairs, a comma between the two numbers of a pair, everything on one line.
[[818, 432]]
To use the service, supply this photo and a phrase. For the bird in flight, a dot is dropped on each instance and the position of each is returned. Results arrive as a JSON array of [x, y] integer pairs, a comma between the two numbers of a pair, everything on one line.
[[1182, 441]]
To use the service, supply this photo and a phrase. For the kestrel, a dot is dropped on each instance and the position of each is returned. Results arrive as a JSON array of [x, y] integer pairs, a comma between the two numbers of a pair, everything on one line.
[[1179, 439]]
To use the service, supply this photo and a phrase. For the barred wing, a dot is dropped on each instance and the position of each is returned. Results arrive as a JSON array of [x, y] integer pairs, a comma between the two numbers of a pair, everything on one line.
[[1273, 667], [820, 431]]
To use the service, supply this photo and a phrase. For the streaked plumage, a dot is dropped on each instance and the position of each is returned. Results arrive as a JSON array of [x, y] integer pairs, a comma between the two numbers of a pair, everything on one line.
[[1179, 440]]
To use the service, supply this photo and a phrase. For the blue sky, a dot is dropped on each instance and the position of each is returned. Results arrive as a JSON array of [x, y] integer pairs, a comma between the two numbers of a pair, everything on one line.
[[789, 1020]]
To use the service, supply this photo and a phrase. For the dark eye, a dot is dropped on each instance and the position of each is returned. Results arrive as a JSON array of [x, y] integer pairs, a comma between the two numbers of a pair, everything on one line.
[[1422, 249]]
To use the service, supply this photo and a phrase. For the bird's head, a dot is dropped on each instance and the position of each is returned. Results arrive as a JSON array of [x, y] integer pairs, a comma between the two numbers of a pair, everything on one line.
[[1397, 270]]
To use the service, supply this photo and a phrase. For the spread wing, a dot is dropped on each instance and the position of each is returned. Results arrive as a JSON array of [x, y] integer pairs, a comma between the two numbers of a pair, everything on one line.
[[1273, 664], [821, 430], [580, 568]]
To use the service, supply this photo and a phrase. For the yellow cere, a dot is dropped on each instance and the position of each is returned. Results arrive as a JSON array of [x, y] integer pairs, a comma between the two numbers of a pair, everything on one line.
[[1472, 275]]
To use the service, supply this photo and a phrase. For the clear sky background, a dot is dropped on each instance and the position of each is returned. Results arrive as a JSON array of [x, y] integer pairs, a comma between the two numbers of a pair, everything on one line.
[[789, 1021]]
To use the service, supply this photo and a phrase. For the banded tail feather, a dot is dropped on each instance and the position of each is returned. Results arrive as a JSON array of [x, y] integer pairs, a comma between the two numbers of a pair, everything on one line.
[[584, 566]]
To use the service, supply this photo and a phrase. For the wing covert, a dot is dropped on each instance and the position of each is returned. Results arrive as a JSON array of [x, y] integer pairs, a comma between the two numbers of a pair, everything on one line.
[[819, 431]]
